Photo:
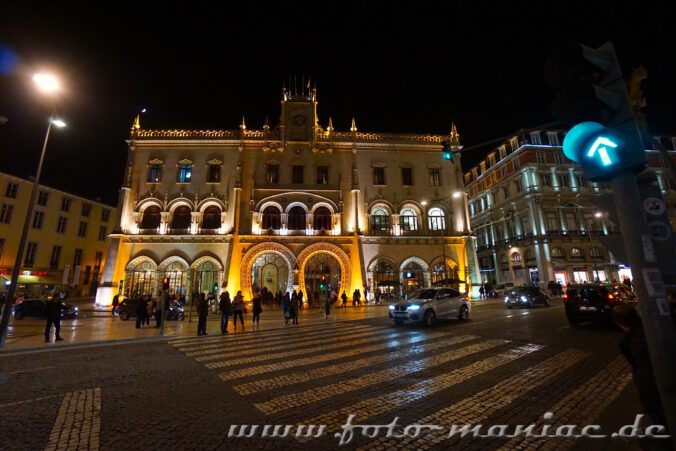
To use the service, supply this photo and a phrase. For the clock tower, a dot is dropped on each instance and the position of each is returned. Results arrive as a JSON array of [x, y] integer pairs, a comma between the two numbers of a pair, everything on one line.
[[299, 114]]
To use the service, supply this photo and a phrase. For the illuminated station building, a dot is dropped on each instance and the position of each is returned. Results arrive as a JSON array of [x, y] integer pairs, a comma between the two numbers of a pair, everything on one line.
[[293, 206]]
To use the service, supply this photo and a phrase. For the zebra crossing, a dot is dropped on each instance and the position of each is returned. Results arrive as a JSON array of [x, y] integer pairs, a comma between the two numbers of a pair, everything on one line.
[[322, 374]]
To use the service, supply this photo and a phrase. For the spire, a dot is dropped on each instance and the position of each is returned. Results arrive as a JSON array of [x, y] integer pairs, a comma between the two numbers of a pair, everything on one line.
[[353, 128], [455, 137], [242, 126], [266, 124], [137, 123], [329, 128]]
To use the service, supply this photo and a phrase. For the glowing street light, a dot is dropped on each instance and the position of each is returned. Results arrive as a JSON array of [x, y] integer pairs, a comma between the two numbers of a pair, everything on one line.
[[58, 122], [47, 83]]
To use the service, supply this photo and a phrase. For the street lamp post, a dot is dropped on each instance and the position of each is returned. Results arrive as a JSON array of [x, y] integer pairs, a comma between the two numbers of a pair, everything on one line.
[[49, 85], [589, 222]]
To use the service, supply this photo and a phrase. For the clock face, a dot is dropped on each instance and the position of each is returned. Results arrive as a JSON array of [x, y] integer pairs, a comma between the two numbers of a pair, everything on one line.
[[298, 120]]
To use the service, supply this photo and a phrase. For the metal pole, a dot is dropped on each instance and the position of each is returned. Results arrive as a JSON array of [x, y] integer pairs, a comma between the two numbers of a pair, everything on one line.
[[163, 300], [596, 270], [653, 307], [9, 300]]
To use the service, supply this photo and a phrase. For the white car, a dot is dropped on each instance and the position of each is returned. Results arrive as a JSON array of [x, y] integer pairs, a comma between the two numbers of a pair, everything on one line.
[[429, 304]]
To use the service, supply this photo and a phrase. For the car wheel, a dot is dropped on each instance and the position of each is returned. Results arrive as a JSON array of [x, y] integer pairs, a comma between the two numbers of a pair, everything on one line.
[[124, 316], [430, 318], [181, 316], [547, 301], [398, 322], [18, 315], [464, 313]]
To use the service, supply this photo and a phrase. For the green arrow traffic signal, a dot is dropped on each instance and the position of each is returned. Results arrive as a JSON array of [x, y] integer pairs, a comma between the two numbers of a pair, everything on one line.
[[599, 147]]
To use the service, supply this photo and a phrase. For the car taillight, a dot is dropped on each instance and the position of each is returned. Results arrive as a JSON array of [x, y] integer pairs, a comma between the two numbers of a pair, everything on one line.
[[565, 296]]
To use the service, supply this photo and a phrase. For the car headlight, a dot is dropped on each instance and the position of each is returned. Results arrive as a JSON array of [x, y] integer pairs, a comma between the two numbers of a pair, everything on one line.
[[391, 307], [75, 309], [506, 299], [524, 299], [414, 307]]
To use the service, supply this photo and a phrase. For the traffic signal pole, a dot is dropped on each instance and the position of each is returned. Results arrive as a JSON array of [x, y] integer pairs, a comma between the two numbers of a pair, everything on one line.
[[653, 306]]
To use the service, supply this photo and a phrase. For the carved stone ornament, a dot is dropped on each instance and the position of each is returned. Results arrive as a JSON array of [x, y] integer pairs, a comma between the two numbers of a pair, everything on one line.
[[325, 248], [155, 161], [185, 161], [252, 254]]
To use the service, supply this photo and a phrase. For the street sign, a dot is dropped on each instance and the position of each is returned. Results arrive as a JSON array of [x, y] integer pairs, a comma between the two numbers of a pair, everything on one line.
[[654, 206]]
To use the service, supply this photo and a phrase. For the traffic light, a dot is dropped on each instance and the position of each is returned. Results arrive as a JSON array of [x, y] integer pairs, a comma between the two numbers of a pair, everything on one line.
[[165, 283], [593, 99], [446, 151]]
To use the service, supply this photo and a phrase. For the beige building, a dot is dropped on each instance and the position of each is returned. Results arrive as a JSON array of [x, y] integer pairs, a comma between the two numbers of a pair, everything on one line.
[[292, 206], [67, 239], [532, 213]]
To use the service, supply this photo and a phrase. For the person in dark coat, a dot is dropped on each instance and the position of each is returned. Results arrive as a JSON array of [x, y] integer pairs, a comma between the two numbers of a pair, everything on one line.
[[343, 297], [238, 310], [54, 307], [634, 347], [225, 306], [293, 308], [202, 312], [300, 299], [141, 312], [116, 302], [257, 309], [286, 300], [356, 297]]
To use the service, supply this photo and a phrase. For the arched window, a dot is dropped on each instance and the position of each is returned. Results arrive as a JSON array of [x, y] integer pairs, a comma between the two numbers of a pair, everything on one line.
[[181, 218], [321, 219], [557, 252], [380, 219], [297, 218], [385, 278], [151, 217], [408, 219], [272, 218], [437, 219], [516, 258], [211, 218], [576, 253]]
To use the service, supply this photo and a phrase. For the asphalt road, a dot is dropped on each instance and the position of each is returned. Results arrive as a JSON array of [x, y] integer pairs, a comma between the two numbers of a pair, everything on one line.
[[502, 367]]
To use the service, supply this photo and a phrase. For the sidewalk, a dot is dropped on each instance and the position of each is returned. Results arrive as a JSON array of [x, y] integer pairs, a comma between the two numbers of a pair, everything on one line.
[[28, 334]]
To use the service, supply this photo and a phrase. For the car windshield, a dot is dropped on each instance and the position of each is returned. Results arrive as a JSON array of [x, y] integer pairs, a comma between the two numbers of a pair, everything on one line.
[[424, 294]]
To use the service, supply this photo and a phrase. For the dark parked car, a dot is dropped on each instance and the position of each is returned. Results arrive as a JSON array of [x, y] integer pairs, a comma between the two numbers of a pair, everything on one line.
[[594, 302], [127, 309], [38, 308], [526, 296]]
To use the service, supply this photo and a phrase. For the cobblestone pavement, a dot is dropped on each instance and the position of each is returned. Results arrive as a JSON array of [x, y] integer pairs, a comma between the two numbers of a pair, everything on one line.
[[499, 368]]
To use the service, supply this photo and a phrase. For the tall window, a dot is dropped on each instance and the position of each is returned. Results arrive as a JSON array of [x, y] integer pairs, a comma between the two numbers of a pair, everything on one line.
[[379, 176], [151, 217], [518, 186], [103, 232], [565, 180], [322, 175], [436, 219], [31, 250], [557, 252], [407, 176], [552, 221], [61, 224], [571, 221], [87, 274], [105, 213], [11, 190], [272, 218], [576, 253], [553, 138], [595, 252], [542, 159], [516, 164], [297, 174], [181, 218], [435, 176], [98, 258], [380, 218], [516, 258], [211, 218], [38, 218], [546, 179], [408, 220], [558, 158], [56, 256], [77, 259], [272, 174], [6, 213], [214, 173], [184, 173], [82, 230], [43, 196], [322, 219], [65, 204], [525, 226], [86, 209], [297, 218], [154, 173]]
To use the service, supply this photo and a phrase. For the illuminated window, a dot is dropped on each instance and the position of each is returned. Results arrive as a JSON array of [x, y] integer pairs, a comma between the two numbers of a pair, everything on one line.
[[436, 219], [557, 252], [576, 253], [408, 219], [184, 173], [380, 219]]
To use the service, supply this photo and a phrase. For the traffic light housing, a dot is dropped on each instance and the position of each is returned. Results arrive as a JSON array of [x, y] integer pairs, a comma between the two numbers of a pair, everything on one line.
[[165, 283], [593, 99], [446, 151]]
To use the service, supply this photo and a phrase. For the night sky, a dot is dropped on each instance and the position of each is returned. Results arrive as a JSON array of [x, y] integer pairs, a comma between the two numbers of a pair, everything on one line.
[[411, 68]]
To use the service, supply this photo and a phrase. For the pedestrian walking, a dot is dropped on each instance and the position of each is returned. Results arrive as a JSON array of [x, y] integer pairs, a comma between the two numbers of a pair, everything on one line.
[[141, 312], [225, 306], [286, 300], [481, 292], [202, 312], [238, 310], [116, 302], [150, 308], [293, 308], [54, 307], [327, 306], [257, 309], [343, 297], [300, 299], [356, 297]]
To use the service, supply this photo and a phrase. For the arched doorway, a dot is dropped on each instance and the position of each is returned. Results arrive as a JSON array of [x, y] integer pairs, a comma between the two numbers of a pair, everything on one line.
[[177, 270], [297, 218], [322, 274], [413, 277], [322, 219], [151, 217], [270, 270], [211, 218], [246, 274], [207, 275], [385, 280], [140, 277], [337, 254]]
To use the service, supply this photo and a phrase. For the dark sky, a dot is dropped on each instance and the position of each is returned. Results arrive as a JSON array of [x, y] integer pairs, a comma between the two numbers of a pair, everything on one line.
[[408, 68]]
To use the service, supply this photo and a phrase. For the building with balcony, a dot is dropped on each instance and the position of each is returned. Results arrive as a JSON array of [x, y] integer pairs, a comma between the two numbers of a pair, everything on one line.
[[292, 206], [67, 238], [532, 214]]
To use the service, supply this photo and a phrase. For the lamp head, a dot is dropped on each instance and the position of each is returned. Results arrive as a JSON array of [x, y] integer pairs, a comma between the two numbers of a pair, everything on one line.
[[47, 83]]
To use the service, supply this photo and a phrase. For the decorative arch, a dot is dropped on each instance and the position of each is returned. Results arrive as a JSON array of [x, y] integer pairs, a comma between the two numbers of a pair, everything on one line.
[[207, 258], [296, 204], [375, 260], [295, 196], [169, 260], [139, 260], [174, 204], [419, 209], [422, 263], [208, 202], [323, 204], [387, 205], [325, 248], [270, 203], [250, 257], [145, 203]]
